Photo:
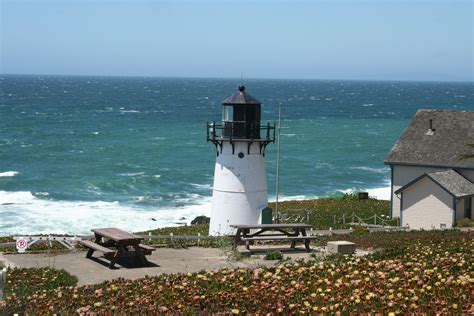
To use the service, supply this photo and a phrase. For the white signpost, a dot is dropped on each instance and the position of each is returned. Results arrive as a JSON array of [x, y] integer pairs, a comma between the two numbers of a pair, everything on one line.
[[3, 280], [21, 245]]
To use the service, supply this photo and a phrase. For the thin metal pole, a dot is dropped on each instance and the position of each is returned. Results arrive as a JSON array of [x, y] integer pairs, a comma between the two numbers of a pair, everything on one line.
[[278, 165]]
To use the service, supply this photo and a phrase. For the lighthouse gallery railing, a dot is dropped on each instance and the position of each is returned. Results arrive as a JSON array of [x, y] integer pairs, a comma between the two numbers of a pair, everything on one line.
[[240, 131]]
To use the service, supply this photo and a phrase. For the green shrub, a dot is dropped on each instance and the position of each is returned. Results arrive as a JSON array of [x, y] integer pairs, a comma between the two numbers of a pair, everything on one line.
[[273, 255], [465, 222], [360, 231]]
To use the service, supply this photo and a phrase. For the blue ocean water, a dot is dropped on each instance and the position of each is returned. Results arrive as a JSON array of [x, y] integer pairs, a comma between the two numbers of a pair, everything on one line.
[[84, 152]]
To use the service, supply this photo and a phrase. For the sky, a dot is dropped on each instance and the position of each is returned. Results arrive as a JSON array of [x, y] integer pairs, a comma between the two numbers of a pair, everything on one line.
[[355, 40]]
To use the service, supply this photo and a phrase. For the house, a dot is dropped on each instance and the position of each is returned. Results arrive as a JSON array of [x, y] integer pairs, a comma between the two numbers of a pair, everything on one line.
[[432, 185]]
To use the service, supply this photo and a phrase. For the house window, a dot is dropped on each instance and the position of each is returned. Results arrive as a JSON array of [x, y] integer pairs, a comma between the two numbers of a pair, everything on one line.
[[467, 207]]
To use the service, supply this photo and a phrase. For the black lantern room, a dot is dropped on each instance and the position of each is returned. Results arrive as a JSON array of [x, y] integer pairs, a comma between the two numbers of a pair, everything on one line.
[[241, 116]]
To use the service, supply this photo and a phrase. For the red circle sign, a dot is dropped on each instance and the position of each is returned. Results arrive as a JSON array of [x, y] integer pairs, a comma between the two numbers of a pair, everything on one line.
[[21, 244]]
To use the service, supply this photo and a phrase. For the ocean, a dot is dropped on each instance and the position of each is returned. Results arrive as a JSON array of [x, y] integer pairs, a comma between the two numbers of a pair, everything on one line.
[[83, 152]]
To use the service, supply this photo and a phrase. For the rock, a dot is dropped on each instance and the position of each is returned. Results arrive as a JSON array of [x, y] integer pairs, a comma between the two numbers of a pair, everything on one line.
[[340, 247], [200, 220]]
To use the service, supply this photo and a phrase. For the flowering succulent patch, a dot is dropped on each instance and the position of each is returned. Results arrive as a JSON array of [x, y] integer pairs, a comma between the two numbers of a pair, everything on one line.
[[432, 276]]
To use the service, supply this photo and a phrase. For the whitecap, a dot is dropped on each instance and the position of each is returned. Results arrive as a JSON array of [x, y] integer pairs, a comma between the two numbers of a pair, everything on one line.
[[201, 186], [131, 174], [8, 174], [375, 170]]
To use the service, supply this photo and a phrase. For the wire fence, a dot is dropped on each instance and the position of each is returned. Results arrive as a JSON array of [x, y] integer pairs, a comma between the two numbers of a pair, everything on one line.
[[372, 221], [305, 216]]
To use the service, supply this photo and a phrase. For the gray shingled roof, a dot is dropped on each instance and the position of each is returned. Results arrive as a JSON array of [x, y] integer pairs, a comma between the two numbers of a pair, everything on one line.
[[442, 147], [450, 180], [453, 182]]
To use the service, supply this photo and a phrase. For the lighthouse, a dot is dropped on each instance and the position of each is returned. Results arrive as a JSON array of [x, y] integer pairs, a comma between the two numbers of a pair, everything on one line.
[[240, 183]]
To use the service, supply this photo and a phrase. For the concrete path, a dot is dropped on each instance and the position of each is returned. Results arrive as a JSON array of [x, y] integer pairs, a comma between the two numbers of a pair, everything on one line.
[[163, 260]]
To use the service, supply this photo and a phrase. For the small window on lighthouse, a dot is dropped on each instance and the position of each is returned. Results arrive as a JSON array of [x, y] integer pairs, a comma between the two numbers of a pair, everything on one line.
[[228, 113]]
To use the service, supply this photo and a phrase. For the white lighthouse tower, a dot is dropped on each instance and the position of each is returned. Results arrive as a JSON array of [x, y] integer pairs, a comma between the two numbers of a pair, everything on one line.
[[240, 182]]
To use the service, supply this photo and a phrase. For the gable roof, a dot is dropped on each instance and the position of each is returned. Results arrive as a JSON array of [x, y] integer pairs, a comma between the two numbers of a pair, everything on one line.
[[451, 181], [443, 146]]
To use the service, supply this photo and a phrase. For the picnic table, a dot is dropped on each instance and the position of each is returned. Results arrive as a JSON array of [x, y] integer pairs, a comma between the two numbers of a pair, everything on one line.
[[115, 243], [273, 232]]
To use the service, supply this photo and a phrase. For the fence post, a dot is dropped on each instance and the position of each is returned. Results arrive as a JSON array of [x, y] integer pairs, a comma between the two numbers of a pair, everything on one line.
[[149, 236], [375, 219], [3, 281], [199, 238]]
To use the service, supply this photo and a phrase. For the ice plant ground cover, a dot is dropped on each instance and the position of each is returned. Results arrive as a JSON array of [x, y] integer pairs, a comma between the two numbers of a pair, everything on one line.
[[429, 272]]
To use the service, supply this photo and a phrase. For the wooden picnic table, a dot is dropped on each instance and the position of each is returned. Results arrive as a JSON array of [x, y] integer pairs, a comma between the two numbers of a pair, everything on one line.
[[278, 232], [115, 243]]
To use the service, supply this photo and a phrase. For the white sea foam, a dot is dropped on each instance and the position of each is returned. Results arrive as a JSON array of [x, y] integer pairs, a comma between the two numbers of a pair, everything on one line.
[[382, 193], [201, 186], [8, 174], [375, 170], [24, 213], [131, 174], [283, 198]]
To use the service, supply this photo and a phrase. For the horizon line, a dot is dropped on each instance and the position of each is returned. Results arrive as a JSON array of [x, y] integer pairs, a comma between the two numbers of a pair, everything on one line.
[[234, 78]]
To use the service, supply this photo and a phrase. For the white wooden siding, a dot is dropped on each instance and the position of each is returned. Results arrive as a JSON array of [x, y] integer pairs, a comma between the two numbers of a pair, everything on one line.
[[401, 176], [427, 206]]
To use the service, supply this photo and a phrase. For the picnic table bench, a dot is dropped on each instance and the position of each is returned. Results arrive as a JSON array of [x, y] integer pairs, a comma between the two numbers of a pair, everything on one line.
[[115, 243], [278, 232]]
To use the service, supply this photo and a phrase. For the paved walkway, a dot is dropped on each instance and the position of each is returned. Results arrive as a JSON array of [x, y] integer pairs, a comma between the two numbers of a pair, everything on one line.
[[163, 260]]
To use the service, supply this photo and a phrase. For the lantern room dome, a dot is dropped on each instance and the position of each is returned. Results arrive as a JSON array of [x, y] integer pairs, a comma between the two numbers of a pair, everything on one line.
[[241, 97]]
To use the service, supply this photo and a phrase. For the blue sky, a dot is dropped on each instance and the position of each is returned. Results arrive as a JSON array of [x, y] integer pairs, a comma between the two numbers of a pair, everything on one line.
[[388, 40]]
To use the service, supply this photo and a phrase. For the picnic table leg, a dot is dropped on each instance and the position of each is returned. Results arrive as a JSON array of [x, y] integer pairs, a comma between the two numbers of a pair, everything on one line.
[[117, 255], [91, 251], [293, 242], [237, 237], [246, 232], [306, 241], [140, 254]]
